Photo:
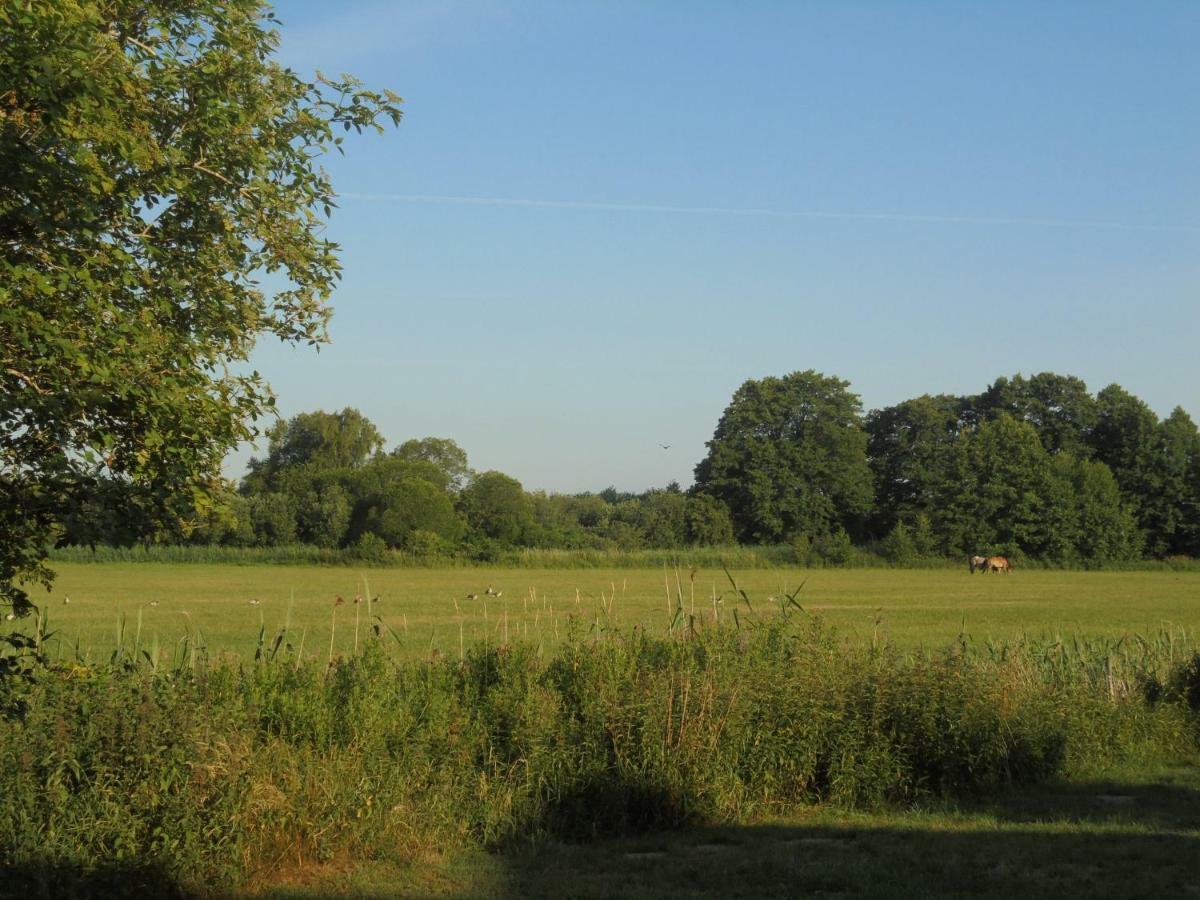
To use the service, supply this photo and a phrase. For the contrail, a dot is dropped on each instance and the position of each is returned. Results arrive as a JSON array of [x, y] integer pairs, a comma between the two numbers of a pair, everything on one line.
[[765, 212]]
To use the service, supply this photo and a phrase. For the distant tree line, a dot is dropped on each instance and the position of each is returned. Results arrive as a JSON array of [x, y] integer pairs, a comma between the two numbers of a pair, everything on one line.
[[1033, 467]]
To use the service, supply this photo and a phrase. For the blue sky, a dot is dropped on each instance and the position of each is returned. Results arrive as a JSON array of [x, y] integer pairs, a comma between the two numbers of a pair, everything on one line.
[[598, 219]]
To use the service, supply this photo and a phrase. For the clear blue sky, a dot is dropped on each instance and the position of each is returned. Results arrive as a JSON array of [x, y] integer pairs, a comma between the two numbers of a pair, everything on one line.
[[657, 201]]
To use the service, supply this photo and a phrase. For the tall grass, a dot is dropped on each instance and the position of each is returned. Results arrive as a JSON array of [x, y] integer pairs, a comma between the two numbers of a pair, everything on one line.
[[212, 774]]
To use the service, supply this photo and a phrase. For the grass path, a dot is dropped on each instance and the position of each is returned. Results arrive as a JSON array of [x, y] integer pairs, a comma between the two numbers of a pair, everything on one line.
[[428, 610]]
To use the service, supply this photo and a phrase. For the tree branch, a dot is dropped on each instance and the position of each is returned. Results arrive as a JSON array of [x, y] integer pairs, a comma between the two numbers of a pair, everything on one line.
[[29, 381]]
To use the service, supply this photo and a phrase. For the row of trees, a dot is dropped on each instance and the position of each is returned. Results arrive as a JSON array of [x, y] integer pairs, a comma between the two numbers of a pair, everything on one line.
[[326, 480], [1035, 466]]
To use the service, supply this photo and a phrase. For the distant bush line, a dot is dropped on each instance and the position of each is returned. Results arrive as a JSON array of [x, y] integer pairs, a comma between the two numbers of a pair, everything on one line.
[[205, 777], [734, 557]]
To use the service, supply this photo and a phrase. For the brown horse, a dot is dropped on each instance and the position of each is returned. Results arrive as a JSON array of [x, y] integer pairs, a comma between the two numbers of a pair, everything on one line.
[[997, 564]]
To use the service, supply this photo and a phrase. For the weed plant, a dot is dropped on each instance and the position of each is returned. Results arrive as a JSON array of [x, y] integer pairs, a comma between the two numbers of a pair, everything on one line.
[[208, 775]]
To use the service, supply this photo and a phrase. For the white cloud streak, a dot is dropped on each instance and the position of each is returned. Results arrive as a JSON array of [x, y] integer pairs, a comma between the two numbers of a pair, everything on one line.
[[766, 212]]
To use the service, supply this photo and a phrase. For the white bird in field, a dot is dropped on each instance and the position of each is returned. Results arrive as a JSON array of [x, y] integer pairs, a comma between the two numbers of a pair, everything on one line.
[[491, 591], [10, 616], [254, 601], [358, 598], [472, 596], [154, 603], [66, 599], [497, 594]]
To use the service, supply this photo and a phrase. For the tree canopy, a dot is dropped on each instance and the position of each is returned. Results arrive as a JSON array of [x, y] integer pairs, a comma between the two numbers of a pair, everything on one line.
[[320, 440], [161, 208], [445, 454], [789, 456]]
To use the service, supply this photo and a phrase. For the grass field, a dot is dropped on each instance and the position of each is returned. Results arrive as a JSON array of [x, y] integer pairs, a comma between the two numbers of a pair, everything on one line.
[[1118, 819], [427, 609]]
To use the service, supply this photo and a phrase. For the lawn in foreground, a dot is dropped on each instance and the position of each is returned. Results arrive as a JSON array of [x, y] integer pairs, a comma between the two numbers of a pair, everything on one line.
[[428, 610], [1133, 833]]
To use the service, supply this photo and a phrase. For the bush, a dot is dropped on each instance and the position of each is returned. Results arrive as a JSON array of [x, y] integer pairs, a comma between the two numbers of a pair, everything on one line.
[[899, 548], [1183, 683], [369, 547], [210, 775]]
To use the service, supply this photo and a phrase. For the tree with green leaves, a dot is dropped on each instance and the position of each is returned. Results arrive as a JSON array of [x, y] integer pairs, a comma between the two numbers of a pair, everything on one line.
[[1126, 439], [1171, 509], [909, 448], [1059, 408], [496, 507], [444, 453], [408, 507], [995, 498], [316, 441], [707, 521], [1106, 529], [789, 456], [157, 162]]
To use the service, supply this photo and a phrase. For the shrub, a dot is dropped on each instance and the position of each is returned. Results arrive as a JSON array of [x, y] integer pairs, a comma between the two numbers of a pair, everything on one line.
[[207, 776], [1184, 683], [369, 547]]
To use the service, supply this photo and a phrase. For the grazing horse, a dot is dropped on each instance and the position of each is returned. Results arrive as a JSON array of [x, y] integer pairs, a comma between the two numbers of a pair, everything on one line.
[[997, 564], [976, 562]]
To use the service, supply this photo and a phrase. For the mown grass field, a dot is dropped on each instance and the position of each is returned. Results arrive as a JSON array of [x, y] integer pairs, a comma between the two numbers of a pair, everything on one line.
[[427, 609]]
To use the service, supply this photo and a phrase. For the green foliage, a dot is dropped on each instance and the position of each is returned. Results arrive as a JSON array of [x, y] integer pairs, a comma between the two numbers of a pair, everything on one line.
[[409, 505], [273, 518], [1000, 487], [910, 448], [1125, 439], [789, 455], [1170, 512], [369, 547], [952, 475], [497, 508], [1058, 407], [707, 522], [449, 458], [899, 546], [212, 774], [156, 162], [316, 442], [323, 516], [1183, 683]]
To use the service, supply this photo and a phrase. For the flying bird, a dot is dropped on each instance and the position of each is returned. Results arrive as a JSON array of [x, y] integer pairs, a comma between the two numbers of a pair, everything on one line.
[[665, 446]]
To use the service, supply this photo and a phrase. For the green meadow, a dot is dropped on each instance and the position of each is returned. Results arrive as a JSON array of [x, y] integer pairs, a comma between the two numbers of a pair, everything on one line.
[[426, 610], [909, 733]]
